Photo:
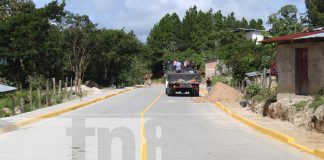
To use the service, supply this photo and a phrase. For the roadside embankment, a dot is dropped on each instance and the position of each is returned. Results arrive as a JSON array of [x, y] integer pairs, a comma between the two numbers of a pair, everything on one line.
[[229, 98]]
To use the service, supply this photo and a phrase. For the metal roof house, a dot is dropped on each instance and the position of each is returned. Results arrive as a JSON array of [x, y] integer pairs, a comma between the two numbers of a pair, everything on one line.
[[300, 62], [252, 34], [315, 36]]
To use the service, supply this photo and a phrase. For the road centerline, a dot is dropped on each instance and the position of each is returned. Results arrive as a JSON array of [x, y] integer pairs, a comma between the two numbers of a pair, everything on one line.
[[143, 135]]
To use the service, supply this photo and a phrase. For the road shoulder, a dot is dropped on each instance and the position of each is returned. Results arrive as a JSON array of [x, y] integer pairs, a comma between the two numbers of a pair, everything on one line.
[[12, 123]]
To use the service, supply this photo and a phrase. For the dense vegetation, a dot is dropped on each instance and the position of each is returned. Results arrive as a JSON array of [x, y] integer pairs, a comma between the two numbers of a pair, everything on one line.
[[37, 44], [41, 43], [315, 13], [200, 35]]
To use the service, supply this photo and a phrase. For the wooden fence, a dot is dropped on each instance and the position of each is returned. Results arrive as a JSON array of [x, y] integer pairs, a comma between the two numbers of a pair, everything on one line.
[[39, 96]]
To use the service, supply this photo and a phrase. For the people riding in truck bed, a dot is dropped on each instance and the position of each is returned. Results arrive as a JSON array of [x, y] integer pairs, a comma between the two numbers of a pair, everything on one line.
[[177, 65]]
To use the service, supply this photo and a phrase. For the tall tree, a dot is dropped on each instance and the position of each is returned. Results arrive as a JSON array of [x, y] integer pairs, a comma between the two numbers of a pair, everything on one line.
[[166, 34], [285, 21], [256, 24], [260, 24], [80, 41], [120, 59], [164, 38], [201, 31], [10, 8], [244, 23], [315, 12], [218, 21], [188, 23], [230, 22], [23, 41]]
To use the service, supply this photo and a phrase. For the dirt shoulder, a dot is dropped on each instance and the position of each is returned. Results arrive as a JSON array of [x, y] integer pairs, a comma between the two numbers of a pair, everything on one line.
[[230, 98]]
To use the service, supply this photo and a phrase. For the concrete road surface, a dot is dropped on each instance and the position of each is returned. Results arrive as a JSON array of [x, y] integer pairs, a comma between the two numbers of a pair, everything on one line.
[[144, 124]]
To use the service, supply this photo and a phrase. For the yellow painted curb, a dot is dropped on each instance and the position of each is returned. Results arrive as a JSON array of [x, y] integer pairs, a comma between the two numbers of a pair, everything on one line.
[[319, 153], [31, 120], [275, 134]]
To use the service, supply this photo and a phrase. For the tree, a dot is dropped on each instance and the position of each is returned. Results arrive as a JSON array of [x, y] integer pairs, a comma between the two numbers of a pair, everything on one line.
[[196, 27], [201, 30], [244, 23], [164, 38], [260, 24], [230, 22], [24, 38], [41, 43], [244, 56], [120, 59], [285, 21], [9, 8], [80, 41], [188, 23], [165, 34], [256, 24], [315, 12], [218, 21]]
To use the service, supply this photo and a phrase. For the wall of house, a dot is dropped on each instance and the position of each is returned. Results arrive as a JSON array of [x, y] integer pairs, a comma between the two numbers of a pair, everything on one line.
[[254, 35], [210, 68], [286, 66]]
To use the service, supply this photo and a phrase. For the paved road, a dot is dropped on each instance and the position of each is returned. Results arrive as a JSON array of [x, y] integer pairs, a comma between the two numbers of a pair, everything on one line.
[[175, 129]]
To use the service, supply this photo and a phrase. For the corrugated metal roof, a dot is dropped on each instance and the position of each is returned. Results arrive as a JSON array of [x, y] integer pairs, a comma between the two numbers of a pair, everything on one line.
[[318, 35], [252, 74], [247, 30], [4, 88], [291, 37]]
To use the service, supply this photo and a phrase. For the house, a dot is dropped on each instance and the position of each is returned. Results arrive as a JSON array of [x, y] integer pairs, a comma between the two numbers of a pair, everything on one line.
[[300, 62], [210, 67], [252, 34]]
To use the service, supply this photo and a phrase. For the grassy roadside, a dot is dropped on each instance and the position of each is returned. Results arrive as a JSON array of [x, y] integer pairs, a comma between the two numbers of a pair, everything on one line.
[[12, 102]]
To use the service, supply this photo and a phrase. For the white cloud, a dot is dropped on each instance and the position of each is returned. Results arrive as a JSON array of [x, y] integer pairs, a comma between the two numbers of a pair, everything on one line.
[[141, 15]]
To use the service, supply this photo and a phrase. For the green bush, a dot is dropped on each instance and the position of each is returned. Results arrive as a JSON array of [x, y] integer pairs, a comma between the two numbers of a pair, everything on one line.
[[300, 105], [2, 114], [318, 99], [266, 95], [252, 90], [320, 92], [256, 93], [219, 78], [4, 102]]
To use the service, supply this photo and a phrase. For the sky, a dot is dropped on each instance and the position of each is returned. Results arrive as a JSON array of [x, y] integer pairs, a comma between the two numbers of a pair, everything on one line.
[[141, 15]]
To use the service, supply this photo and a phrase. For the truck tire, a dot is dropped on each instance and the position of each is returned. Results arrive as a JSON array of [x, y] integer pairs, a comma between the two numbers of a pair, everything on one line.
[[168, 92], [197, 94], [194, 93]]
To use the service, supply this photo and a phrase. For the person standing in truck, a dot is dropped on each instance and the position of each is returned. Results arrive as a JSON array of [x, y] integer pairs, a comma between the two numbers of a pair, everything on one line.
[[186, 64], [209, 84], [178, 67]]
